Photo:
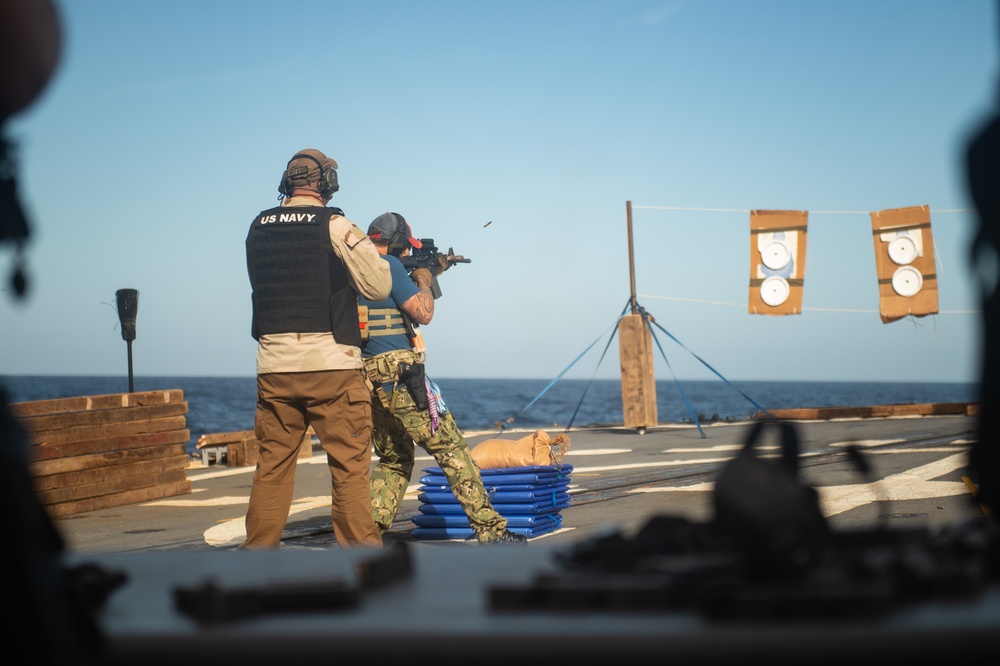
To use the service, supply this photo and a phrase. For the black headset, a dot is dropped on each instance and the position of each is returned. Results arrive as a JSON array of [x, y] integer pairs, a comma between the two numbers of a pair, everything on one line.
[[327, 177], [400, 239]]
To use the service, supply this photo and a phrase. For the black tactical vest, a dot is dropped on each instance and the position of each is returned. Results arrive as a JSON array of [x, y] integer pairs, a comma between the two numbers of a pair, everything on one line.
[[299, 285]]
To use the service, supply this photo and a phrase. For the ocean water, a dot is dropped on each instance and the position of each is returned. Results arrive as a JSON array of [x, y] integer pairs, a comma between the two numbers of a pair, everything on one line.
[[224, 404]]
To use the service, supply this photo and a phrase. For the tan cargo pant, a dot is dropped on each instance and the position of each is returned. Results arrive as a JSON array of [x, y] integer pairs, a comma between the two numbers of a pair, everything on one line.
[[337, 403]]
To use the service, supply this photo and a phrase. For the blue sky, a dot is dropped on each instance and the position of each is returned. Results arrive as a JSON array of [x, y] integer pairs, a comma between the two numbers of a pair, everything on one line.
[[168, 124]]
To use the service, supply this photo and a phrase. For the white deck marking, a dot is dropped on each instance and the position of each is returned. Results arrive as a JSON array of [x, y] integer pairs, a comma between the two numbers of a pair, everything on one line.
[[704, 487], [868, 442], [718, 449], [912, 484], [648, 465], [229, 471], [597, 452], [234, 532], [561, 530], [218, 501]]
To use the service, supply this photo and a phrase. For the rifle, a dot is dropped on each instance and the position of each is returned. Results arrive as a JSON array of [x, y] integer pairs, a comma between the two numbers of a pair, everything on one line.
[[427, 257]]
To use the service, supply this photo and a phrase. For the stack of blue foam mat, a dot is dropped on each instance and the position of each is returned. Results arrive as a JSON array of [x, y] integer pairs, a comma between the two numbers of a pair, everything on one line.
[[530, 498]]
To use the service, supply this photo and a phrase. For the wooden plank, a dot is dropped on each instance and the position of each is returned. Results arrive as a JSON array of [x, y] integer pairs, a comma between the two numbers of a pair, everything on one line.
[[967, 408], [107, 458], [216, 438], [176, 435], [815, 413], [110, 487], [85, 403], [873, 411], [91, 477], [107, 432], [63, 509], [39, 425]]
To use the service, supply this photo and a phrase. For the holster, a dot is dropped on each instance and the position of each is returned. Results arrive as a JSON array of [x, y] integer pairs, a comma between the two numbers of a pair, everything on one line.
[[412, 375]]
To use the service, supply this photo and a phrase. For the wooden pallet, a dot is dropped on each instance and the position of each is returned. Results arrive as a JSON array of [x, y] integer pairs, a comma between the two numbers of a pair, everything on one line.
[[97, 452], [240, 448]]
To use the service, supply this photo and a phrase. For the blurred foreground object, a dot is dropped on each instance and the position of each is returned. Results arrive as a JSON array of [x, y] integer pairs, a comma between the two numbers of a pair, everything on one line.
[[50, 606], [983, 174], [30, 48]]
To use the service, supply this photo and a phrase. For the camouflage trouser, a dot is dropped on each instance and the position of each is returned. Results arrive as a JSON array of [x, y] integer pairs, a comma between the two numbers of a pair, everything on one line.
[[396, 429]]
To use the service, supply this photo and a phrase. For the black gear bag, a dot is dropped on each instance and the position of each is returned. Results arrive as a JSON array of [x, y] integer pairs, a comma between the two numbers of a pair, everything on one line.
[[763, 506]]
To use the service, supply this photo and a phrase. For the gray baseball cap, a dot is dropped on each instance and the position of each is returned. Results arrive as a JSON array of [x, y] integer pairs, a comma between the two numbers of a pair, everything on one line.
[[394, 228]]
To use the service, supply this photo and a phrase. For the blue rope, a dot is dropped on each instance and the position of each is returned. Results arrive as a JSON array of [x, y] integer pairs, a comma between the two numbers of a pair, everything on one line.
[[599, 361], [649, 321], [749, 399], [507, 423]]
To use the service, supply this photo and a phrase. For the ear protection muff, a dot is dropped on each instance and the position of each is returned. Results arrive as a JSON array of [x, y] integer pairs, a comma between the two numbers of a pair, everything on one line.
[[327, 177], [400, 236]]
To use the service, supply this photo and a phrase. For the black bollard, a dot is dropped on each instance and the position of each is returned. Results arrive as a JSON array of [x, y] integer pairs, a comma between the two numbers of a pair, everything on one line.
[[128, 307]]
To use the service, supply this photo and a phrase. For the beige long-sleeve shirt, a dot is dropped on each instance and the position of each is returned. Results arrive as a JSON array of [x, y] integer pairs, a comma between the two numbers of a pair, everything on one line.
[[367, 272]]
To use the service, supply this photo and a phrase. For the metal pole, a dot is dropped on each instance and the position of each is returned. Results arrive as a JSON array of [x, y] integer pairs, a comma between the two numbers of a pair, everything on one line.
[[131, 386], [631, 259]]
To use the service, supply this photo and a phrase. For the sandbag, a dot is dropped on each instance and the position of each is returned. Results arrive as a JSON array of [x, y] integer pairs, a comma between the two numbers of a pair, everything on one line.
[[536, 449]]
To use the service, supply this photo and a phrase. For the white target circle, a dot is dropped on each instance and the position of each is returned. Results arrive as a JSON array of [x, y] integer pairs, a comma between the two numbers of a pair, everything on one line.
[[907, 281], [776, 255], [774, 291], [902, 250]]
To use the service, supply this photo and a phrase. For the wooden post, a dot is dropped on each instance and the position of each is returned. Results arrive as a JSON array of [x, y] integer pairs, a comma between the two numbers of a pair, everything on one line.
[[635, 344], [638, 382]]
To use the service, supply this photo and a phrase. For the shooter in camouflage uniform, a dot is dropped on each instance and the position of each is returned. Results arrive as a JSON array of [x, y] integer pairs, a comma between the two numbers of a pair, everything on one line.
[[404, 411]]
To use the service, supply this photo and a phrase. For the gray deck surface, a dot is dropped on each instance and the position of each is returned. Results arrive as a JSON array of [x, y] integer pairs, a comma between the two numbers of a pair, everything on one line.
[[620, 479], [442, 608]]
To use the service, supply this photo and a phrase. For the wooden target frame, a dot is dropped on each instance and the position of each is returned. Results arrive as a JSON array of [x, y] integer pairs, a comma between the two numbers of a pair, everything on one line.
[[904, 261], [777, 261]]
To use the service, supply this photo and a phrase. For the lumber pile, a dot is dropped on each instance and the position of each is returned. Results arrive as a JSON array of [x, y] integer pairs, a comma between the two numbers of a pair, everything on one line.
[[97, 452]]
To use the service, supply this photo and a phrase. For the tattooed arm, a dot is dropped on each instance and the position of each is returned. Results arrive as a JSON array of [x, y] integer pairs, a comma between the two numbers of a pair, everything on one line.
[[420, 306]]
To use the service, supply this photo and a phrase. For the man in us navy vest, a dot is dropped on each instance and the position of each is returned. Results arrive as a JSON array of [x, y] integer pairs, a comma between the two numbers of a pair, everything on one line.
[[308, 264]]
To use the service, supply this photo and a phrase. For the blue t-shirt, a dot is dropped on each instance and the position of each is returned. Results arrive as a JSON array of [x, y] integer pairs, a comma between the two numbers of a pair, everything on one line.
[[403, 288]]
